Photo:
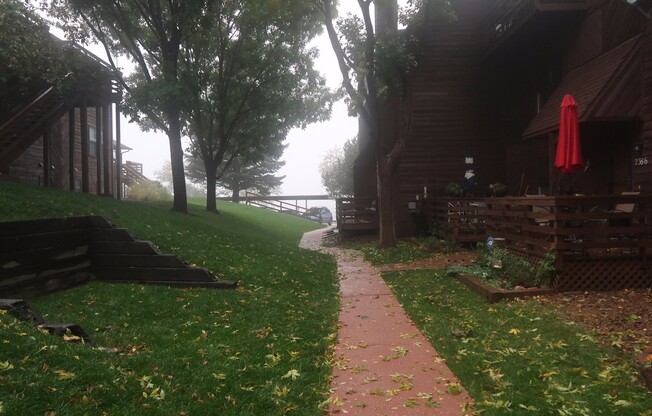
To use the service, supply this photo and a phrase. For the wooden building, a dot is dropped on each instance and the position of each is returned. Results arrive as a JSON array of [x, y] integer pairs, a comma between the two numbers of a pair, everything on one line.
[[63, 134], [488, 87], [486, 100]]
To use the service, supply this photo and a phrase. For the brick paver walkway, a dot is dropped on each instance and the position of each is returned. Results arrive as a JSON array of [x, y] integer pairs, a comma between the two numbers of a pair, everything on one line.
[[383, 363]]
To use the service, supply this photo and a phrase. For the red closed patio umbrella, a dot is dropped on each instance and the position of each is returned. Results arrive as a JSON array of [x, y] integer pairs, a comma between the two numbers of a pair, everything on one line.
[[568, 158]]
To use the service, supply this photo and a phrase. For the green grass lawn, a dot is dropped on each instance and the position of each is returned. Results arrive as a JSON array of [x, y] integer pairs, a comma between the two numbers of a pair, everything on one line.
[[519, 357], [262, 349]]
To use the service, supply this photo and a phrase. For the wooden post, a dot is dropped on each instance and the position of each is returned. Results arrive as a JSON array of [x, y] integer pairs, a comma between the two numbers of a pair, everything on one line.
[[46, 157], [99, 136], [107, 146], [83, 122], [118, 153], [71, 149]]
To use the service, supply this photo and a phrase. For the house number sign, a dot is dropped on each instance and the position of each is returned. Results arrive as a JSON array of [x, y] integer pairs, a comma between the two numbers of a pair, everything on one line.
[[641, 161]]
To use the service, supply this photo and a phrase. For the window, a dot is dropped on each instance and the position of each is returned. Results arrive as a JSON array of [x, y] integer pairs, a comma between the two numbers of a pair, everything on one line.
[[92, 141]]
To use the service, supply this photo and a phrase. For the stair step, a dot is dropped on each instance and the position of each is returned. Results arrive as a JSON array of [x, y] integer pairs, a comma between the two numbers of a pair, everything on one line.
[[218, 284], [145, 275], [124, 247], [136, 260]]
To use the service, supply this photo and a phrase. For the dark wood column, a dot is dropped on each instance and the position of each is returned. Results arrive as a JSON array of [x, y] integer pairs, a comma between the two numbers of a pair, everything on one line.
[[71, 149], [98, 150], [46, 157], [83, 121], [118, 153], [107, 141]]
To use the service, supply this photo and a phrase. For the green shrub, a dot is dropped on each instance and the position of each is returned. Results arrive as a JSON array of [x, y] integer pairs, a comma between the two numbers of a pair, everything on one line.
[[500, 268], [148, 191], [453, 189]]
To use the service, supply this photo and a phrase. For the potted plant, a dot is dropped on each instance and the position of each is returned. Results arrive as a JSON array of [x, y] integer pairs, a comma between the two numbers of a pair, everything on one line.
[[453, 189], [498, 189]]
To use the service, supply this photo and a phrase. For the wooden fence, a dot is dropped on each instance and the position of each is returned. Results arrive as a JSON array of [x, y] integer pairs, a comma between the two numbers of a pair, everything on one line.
[[356, 214], [599, 242]]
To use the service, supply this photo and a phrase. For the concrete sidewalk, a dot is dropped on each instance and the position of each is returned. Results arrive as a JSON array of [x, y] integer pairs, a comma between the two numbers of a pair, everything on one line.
[[383, 363]]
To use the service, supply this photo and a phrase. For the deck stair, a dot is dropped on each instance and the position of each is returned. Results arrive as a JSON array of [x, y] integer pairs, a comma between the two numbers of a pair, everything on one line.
[[132, 173], [48, 255], [22, 129]]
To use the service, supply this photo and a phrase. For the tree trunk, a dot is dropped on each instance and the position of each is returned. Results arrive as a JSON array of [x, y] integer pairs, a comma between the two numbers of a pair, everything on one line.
[[180, 203], [211, 181], [235, 196], [386, 230]]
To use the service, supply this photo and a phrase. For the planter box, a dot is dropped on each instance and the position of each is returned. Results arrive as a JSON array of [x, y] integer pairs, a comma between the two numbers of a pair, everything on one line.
[[492, 295]]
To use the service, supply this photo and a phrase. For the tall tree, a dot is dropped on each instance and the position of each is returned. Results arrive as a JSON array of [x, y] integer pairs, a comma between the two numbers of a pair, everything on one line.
[[258, 176], [150, 33], [336, 169], [252, 79], [374, 61]]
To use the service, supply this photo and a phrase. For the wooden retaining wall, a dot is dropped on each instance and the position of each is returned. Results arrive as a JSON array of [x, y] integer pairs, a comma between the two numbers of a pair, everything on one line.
[[42, 256]]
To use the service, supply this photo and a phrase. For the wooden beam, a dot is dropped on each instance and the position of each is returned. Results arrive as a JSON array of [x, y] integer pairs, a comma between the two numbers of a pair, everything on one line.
[[46, 157], [71, 149], [99, 137], [83, 121], [107, 156], [278, 198], [118, 153]]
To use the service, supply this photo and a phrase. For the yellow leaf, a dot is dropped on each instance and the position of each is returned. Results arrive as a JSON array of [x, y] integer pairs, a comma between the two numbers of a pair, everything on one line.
[[64, 375], [293, 374], [514, 331], [6, 365]]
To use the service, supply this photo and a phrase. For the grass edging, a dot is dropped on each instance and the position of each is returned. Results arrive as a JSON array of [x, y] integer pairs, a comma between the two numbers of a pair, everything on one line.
[[493, 295]]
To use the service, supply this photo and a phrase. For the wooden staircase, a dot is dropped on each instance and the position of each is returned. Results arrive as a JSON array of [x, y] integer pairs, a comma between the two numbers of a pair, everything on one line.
[[22, 129], [132, 173], [43, 256]]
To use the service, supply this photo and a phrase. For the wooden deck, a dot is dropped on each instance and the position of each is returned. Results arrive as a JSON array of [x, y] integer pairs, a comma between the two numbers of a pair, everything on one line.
[[599, 242], [356, 214]]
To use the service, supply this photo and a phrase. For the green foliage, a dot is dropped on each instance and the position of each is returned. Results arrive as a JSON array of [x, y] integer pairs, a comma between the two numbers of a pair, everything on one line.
[[261, 349], [519, 357], [336, 169], [500, 268], [27, 51], [498, 189], [257, 177], [148, 191], [247, 92], [453, 189]]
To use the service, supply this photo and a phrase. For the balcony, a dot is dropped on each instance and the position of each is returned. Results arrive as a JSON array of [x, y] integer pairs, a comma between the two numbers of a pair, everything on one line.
[[508, 17]]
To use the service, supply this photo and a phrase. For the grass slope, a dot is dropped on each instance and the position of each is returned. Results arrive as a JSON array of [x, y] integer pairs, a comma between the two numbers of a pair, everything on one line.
[[261, 349]]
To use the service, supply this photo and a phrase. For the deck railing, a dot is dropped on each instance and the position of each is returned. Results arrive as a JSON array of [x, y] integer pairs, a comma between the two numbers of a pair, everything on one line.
[[356, 214], [275, 204], [599, 242], [462, 220]]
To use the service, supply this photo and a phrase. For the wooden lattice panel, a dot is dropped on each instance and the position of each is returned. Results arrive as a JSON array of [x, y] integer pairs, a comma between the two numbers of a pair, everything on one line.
[[604, 274]]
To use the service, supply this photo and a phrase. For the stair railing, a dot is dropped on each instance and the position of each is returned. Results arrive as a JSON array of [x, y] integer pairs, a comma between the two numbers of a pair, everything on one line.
[[12, 120]]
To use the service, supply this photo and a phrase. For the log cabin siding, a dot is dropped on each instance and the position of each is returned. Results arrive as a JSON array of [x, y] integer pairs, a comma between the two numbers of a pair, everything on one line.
[[446, 120], [27, 168]]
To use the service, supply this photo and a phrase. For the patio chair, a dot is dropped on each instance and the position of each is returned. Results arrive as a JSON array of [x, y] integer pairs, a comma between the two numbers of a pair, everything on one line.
[[622, 208]]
